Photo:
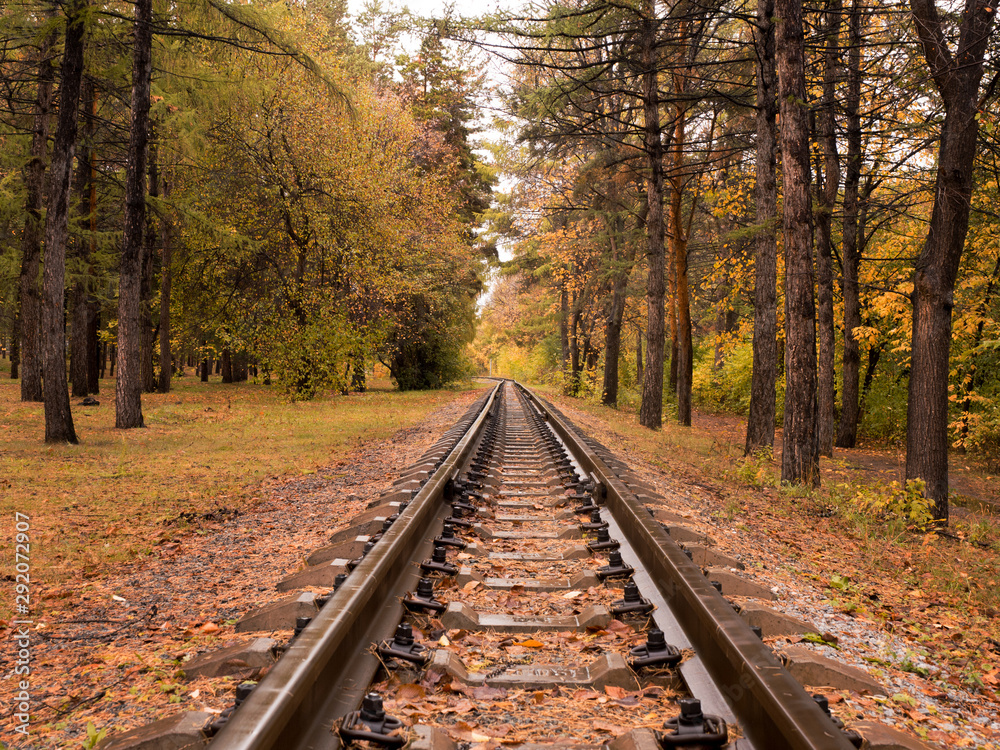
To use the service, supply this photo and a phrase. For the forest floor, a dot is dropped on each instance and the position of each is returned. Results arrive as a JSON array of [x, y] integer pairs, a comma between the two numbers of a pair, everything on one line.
[[919, 610], [229, 488]]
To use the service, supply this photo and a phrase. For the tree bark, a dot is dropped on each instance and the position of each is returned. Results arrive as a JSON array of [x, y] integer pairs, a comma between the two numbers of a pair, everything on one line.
[[15, 345], [149, 257], [760, 422], [95, 357], [80, 299], [679, 252], [78, 341], [564, 332], [957, 79], [227, 366], [613, 322], [166, 278], [128, 389], [571, 387], [30, 298], [651, 409], [638, 356], [827, 188], [58, 416], [799, 449], [850, 398]]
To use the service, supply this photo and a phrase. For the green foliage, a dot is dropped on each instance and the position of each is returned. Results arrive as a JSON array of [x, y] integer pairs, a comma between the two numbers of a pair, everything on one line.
[[907, 504], [819, 640], [94, 736], [756, 470], [726, 388]]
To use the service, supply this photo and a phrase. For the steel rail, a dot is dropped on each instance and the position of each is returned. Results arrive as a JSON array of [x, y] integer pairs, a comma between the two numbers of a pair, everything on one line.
[[773, 709], [322, 675]]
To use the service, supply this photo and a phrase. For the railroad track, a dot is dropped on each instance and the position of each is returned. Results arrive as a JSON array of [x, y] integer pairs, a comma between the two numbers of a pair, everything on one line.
[[514, 587]]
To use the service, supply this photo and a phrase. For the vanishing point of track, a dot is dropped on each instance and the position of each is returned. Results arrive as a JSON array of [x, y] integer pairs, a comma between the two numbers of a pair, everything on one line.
[[518, 536]]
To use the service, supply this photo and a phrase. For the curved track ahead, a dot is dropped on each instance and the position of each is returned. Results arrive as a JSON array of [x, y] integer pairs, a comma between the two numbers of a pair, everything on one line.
[[542, 608]]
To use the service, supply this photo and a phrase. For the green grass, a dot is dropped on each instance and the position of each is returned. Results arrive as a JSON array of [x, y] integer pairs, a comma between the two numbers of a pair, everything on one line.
[[206, 446]]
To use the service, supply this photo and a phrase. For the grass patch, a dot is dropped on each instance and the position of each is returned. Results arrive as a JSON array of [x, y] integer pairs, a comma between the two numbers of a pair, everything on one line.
[[207, 446]]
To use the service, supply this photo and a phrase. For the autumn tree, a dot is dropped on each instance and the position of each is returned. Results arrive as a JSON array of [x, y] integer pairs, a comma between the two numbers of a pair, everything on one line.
[[957, 76]]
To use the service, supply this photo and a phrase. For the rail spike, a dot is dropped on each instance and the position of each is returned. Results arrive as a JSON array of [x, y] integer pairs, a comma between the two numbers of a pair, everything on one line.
[[693, 728], [372, 724]]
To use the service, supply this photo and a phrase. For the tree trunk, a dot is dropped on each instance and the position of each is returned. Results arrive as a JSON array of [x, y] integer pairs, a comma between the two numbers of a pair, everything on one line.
[[760, 422], [638, 356], [128, 389], [15, 345], [799, 449], [827, 188], [78, 340], [564, 332], [358, 384], [847, 432], [58, 417], [95, 365], [679, 252], [149, 257], [571, 387], [613, 325], [651, 409], [204, 370], [227, 366], [166, 240], [30, 299], [958, 79], [80, 299]]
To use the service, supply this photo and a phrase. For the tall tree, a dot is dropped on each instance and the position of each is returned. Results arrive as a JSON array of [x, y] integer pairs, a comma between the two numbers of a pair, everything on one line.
[[799, 446], [30, 311], [847, 431], [58, 417], [166, 280], [957, 78], [760, 422], [128, 389], [651, 409], [827, 189]]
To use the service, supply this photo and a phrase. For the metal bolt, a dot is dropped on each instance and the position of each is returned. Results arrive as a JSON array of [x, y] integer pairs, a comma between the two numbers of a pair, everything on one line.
[[404, 635], [339, 580], [243, 691], [371, 708], [603, 535], [440, 554], [655, 640], [425, 588], [301, 623], [691, 714], [631, 592], [717, 585], [822, 702], [595, 516]]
